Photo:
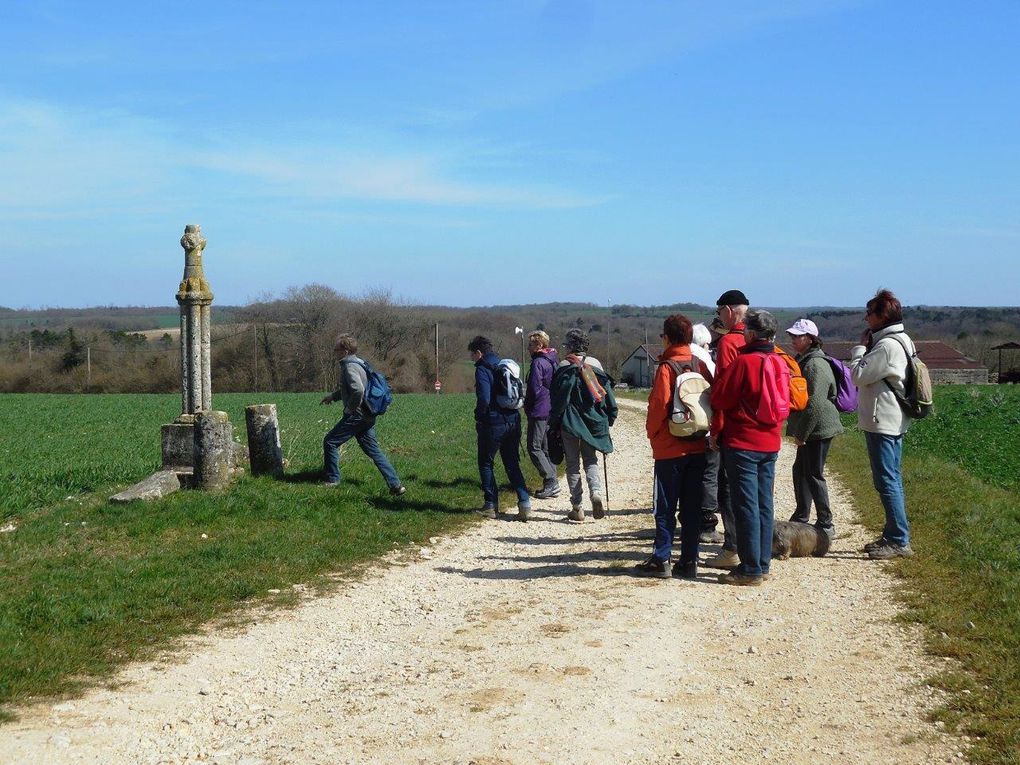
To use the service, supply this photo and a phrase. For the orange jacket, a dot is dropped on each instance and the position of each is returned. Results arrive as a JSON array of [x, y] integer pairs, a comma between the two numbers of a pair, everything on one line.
[[665, 445]]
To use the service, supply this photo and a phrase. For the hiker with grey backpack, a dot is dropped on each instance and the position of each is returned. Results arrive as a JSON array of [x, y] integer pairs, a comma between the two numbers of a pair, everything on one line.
[[499, 397]]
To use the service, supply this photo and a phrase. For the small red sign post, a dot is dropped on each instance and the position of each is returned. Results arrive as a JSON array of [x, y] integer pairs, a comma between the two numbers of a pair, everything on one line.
[[439, 386]]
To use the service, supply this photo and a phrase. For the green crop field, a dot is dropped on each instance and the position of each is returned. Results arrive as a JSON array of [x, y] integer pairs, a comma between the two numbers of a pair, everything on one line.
[[961, 471], [86, 585]]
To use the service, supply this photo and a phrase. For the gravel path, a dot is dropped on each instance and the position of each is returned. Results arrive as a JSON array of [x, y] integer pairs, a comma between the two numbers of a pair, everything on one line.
[[517, 643]]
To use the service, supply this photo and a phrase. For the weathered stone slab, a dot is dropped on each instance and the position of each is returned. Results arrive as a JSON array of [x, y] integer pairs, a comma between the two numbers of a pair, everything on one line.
[[264, 451], [214, 450], [177, 443], [155, 486]]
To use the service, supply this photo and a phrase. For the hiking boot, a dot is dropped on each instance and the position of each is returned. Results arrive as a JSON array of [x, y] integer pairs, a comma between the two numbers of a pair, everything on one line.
[[398, 491], [829, 531], [653, 567], [576, 514], [710, 537], [741, 580], [725, 559], [686, 570], [889, 551], [880, 542], [523, 511], [550, 489], [598, 507], [488, 511]]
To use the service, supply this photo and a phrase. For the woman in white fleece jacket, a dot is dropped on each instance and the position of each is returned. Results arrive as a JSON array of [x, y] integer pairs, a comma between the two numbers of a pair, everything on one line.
[[878, 368]]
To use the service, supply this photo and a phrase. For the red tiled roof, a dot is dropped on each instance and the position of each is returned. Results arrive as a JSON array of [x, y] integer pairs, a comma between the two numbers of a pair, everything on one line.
[[934, 353]]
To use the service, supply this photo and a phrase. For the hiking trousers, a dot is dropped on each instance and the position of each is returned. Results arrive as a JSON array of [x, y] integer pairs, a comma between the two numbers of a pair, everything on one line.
[[575, 452], [538, 448], [809, 483], [501, 437], [362, 428]]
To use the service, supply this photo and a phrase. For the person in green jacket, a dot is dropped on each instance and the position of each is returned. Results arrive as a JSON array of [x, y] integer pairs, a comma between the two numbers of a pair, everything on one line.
[[583, 410], [813, 428]]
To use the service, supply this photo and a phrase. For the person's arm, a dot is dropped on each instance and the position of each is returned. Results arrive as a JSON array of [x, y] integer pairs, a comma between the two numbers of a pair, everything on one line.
[[869, 367], [612, 409], [355, 382], [660, 402], [806, 423], [483, 392]]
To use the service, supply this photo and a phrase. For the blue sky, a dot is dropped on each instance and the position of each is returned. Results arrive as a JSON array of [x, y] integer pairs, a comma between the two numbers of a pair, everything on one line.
[[469, 153]]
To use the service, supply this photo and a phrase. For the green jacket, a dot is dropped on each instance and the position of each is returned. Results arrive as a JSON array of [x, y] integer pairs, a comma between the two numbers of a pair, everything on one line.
[[820, 420], [575, 411]]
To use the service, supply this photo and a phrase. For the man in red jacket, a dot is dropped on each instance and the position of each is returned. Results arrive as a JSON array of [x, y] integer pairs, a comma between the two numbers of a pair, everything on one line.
[[752, 435], [731, 308], [679, 463]]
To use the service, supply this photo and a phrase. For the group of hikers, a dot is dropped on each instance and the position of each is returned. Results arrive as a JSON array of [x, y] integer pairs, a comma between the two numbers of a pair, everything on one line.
[[720, 398]]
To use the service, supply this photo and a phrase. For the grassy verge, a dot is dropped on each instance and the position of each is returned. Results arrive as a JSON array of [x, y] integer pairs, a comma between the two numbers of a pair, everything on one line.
[[633, 394], [960, 475], [86, 586]]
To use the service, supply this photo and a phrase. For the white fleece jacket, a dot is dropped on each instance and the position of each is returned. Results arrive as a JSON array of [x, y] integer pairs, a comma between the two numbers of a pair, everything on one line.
[[877, 410]]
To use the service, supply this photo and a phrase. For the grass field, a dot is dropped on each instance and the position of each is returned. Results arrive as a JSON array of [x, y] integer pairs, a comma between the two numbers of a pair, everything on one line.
[[961, 470], [85, 585]]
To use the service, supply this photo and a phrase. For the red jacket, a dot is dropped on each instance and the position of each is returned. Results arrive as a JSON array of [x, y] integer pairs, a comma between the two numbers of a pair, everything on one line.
[[725, 354], [736, 394], [665, 445]]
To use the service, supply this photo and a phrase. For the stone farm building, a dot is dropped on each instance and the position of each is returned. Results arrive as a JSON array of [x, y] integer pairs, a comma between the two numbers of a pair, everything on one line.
[[946, 364]]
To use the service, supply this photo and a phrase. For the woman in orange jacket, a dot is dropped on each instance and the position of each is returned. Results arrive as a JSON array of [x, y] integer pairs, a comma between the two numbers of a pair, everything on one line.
[[679, 463]]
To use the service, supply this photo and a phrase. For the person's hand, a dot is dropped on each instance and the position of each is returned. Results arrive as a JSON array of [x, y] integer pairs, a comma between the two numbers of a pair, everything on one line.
[[327, 399], [866, 337], [713, 443], [799, 442]]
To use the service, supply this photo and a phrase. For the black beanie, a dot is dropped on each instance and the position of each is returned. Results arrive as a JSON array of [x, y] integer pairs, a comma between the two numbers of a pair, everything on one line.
[[733, 297]]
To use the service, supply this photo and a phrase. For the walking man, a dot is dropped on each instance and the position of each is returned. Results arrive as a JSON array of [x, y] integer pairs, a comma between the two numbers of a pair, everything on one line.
[[499, 431], [358, 421]]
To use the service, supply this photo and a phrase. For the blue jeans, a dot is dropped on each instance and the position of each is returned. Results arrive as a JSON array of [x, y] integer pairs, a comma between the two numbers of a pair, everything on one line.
[[678, 481], [886, 453], [751, 475], [502, 437], [362, 428]]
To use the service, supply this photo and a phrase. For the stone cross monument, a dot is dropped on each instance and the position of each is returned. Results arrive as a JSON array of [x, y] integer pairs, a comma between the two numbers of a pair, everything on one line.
[[195, 298]]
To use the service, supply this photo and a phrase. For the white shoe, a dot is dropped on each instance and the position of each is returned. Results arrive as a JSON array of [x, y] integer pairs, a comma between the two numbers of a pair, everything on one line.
[[725, 559]]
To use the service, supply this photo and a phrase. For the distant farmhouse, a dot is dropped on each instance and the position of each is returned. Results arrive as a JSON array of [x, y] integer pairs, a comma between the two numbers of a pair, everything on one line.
[[945, 363]]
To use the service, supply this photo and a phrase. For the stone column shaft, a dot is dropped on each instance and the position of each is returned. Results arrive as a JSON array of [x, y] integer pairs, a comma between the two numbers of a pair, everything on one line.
[[264, 452], [206, 351], [214, 450]]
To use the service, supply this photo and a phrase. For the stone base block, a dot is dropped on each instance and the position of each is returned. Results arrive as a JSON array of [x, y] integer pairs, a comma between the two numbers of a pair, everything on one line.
[[155, 486], [178, 445]]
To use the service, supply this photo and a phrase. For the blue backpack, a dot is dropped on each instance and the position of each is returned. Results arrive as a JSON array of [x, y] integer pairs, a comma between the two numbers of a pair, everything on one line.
[[378, 395]]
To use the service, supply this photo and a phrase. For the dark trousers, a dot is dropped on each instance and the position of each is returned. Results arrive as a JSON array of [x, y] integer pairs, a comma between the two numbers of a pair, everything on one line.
[[503, 438], [538, 448], [726, 505], [809, 483], [752, 475], [678, 483], [710, 491]]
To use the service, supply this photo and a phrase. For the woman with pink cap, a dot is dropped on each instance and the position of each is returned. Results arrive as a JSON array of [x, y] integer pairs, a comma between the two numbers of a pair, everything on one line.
[[813, 428]]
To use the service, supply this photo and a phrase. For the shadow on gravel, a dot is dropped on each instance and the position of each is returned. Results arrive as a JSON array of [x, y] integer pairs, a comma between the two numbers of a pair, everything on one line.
[[593, 538], [540, 572]]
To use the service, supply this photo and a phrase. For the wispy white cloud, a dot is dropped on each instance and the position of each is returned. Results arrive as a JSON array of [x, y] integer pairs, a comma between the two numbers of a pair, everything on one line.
[[67, 162]]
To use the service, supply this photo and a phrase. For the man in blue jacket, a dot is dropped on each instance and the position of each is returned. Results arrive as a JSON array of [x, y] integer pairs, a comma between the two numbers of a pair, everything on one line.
[[499, 430]]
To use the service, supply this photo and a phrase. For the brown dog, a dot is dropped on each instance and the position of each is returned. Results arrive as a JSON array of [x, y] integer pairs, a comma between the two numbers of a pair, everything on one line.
[[798, 540]]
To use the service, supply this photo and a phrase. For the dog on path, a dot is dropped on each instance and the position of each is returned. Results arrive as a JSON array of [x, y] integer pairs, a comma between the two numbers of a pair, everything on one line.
[[798, 540]]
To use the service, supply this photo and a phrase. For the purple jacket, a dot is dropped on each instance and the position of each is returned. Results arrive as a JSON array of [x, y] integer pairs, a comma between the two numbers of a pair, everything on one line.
[[536, 400]]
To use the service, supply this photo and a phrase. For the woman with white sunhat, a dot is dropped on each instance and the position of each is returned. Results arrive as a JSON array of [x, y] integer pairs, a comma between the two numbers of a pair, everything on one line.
[[813, 428]]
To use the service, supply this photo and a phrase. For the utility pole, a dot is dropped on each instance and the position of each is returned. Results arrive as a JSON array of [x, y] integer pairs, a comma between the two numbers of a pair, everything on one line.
[[609, 335], [30, 352], [255, 356], [439, 385], [88, 364]]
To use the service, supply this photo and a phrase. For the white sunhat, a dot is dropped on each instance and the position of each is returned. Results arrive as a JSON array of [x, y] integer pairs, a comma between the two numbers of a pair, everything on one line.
[[803, 327]]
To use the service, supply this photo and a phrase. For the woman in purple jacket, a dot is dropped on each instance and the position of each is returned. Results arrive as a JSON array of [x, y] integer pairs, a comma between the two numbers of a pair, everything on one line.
[[536, 406]]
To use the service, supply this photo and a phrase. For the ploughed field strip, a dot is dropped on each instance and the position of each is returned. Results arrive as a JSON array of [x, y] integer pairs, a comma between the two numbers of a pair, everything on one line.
[[529, 643]]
